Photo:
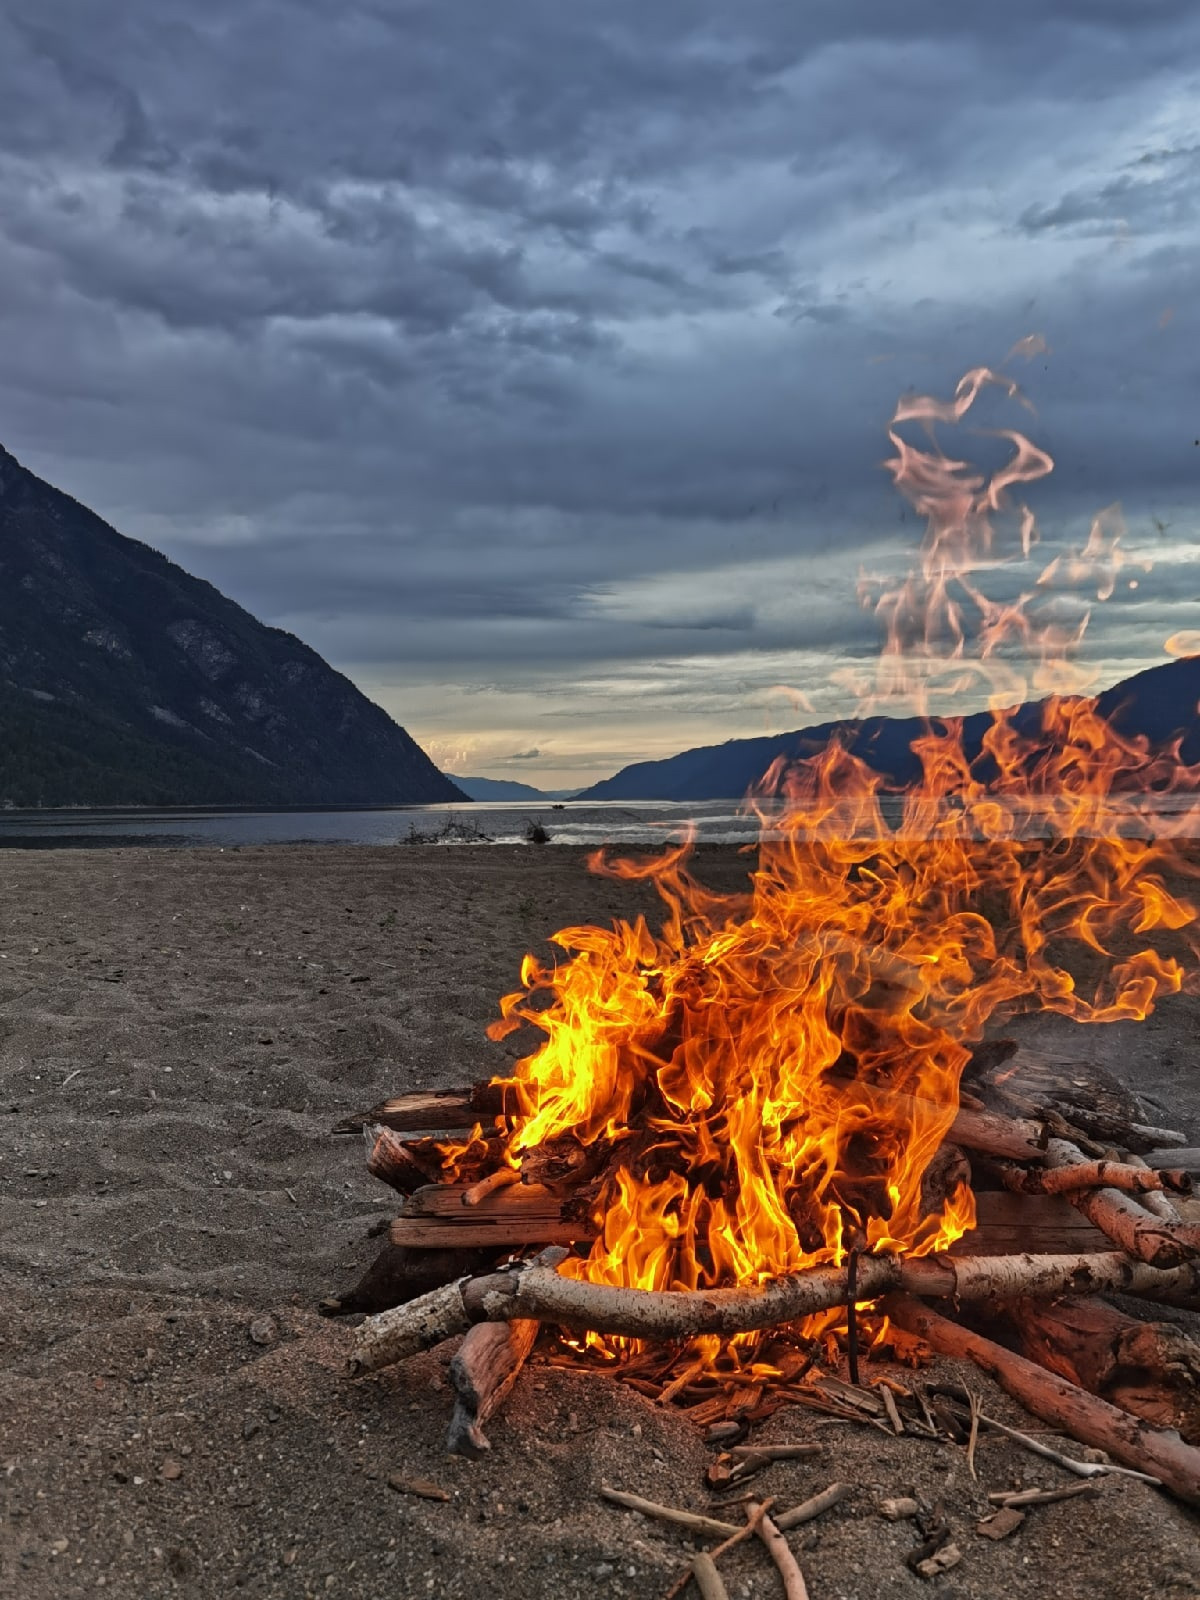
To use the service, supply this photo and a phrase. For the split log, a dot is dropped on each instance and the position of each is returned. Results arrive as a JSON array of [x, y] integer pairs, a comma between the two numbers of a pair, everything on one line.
[[1128, 1225], [1126, 1177], [443, 1109], [520, 1213], [660, 1316], [484, 1369], [1149, 1368], [1092, 1421], [1039, 1225], [398, 1275]]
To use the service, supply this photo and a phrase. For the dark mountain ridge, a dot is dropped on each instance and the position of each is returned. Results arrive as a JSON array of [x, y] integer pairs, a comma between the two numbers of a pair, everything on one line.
[[126, 681], [1159, 704]]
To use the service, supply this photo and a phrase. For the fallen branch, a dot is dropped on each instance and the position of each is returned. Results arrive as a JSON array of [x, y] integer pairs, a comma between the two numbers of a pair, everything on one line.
[[1092, 1421], [539, 1293]]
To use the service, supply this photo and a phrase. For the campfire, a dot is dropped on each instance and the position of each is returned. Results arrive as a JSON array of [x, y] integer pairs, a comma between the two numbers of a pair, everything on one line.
[[747, 1148]]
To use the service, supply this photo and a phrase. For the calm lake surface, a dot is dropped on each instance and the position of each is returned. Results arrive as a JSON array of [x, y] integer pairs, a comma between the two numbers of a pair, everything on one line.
[[573, 822]]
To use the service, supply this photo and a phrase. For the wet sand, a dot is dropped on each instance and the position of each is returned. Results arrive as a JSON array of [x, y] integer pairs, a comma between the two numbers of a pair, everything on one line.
[[178, 1033]]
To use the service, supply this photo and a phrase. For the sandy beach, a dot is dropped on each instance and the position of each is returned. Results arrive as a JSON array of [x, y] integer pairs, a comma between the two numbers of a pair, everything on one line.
[[180, 1030]]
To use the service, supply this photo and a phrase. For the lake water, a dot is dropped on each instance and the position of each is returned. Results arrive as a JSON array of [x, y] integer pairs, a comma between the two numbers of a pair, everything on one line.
[[573, 822]]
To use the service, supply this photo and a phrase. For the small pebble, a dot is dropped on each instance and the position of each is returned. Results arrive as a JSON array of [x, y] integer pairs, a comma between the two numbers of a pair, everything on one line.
[[264, 1330], [171, 1469]]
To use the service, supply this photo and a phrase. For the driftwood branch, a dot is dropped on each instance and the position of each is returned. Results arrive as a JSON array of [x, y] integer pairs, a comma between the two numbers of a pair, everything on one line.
[[1128, 1225], [1127, 1177], [541, 1294], [1160, 1453]]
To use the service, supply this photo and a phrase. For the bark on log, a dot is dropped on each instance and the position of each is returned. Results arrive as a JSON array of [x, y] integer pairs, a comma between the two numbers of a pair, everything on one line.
[[1090, 1420], [1149, 1368], [541, 1293], [484, 1369], [1128, 1225]]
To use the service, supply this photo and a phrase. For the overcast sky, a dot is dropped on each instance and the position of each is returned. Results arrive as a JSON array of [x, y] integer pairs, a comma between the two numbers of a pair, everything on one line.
[[532, 360]]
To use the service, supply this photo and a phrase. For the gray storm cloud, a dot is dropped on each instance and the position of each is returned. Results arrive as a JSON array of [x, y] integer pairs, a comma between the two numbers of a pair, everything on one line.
[[533, 362]]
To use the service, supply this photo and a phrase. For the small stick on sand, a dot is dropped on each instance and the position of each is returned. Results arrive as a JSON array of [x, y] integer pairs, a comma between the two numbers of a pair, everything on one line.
[[794, 1586], [809, 1510], [1020, 1498], [974, 1439], [1081, 1469], [681, 1519], [892, 1409], [777, 1452]]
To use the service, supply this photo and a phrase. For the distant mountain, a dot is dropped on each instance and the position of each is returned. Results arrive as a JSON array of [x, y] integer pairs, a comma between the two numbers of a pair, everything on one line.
[[507, 789], [125, 681], [1159, 703]]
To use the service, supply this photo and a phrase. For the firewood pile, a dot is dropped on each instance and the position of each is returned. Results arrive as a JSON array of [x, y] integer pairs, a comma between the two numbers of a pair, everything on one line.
[[1076, 1200]]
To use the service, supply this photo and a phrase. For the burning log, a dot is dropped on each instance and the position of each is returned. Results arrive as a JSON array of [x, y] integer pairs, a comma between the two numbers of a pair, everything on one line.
[[1149, 1368], [1158, 1453], [540, 1293], [484, 1369]]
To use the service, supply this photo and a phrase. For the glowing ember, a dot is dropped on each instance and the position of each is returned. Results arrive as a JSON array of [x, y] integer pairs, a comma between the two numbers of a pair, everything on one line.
[[767, 1079]]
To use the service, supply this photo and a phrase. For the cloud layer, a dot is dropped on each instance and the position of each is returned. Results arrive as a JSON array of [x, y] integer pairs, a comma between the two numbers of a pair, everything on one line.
[[532, 362]]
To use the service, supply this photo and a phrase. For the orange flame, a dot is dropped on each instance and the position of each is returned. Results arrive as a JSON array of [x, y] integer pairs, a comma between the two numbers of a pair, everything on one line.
[[770, 1075]]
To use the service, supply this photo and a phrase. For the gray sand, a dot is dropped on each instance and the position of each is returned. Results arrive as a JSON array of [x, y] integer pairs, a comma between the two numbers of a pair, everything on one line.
[[180, 1030]]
